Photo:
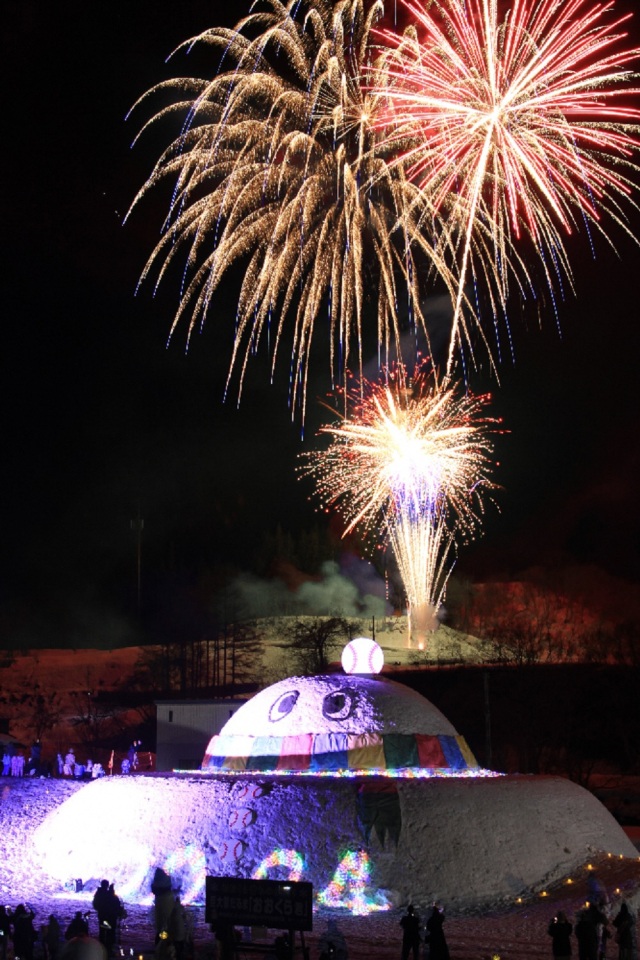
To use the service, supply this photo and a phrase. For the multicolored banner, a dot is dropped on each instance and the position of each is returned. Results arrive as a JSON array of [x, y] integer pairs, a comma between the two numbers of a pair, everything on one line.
[[333, 752]]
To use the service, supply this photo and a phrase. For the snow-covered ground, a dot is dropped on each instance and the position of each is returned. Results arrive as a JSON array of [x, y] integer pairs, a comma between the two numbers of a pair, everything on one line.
[[474, 843], [505, 849], [512, 930], [391, 634], [356, 784]]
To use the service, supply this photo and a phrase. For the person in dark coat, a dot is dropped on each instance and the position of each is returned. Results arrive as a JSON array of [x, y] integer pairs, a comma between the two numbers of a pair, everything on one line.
[[51, 936], [560, 932], [438, 949], [410, 924], [623, 922], [226, 939], [35, 757], [108, 907], [5, 930], [78, 927], [332, 944], [590, 928], [100, 904], [24, 934], [163, 900], [178, 928]]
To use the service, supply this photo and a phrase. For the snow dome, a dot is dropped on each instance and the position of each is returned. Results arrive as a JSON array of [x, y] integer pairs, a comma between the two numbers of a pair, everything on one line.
[[353, 783], [339, 725]]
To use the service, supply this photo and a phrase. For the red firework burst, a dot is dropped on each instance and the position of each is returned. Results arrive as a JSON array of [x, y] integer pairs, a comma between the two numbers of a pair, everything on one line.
[[515, 123]]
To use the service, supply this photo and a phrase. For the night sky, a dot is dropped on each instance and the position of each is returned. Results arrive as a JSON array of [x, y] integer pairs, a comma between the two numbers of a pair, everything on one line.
[[100, 416]]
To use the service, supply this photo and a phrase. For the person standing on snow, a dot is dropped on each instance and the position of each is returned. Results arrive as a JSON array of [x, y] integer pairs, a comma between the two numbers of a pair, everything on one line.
[[24, 934], [560, 932], [410, 924], [624, 924], [438, 949]]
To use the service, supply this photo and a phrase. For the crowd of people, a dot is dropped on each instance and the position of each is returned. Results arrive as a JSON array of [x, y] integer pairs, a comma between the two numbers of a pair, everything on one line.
[[22, 937], [16, 764], [435, 942], [600, 932], [69, 766], [18, 931], [594, 929]]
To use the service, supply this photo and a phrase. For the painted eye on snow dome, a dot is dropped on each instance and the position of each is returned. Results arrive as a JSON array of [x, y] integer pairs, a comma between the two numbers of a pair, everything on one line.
[[339, 705], [283, 705]]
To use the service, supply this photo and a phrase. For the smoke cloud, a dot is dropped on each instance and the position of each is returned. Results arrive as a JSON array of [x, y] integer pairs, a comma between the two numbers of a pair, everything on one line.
[[354, 591]]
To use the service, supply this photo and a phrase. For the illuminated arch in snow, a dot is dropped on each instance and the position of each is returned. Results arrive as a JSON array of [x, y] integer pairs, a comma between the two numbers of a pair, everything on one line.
[[347, 889], [291, 859], [189, 859]]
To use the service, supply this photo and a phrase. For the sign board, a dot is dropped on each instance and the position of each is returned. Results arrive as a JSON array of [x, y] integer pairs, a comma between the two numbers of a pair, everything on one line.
[[278, 904]]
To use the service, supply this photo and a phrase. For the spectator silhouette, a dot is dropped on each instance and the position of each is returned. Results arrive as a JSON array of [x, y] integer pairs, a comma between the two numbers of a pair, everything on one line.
[[108, 907], [410, 924], [5, 930], [623, 922], [438, 949], [177, 928], [332, 943], [560, 932], [163, 900], [24, 934], [51, 936], [79, 927], [590, 927]]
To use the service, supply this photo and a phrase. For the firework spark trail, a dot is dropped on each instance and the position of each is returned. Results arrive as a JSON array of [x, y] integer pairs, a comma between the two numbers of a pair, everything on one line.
[[512, 127], [412, 461], [277, 166]]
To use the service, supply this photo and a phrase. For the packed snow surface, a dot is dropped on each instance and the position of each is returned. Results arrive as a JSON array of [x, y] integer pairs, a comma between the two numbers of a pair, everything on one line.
[[337, 704], [366, 843], [467, 842]]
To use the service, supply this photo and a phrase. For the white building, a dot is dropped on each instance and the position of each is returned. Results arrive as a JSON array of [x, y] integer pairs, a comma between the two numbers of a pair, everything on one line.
[[184, 728]]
